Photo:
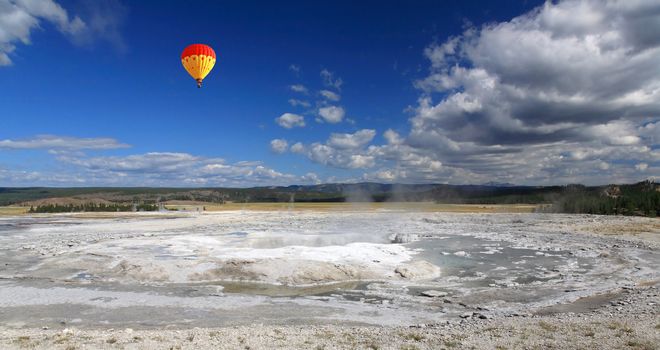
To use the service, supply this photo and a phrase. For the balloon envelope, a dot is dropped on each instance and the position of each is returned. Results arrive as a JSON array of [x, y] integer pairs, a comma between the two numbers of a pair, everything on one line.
[[198, 60]]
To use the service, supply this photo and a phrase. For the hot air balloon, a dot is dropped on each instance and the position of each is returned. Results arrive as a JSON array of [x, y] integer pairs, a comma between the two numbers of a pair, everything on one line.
[[198, 60]]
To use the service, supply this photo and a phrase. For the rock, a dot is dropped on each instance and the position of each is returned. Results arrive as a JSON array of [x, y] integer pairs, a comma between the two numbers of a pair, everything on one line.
[[461, 253], [404, 238], [434, 293], [418, 270], [467, 314]]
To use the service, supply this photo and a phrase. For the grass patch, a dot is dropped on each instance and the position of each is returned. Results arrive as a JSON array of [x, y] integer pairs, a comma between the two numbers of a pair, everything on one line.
[[409, 347], [61, 339], [413, 336], [22, 340], [646, 345], [548, 327], [627, 329], [613, 325]]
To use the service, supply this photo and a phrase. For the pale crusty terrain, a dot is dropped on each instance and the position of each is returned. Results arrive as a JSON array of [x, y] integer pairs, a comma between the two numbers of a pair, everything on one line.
[[625, 317]]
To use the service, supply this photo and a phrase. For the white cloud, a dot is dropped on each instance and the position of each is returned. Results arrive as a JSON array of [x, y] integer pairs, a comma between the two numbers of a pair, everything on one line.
[[294, 68], [302, 103], [341, 150], [279, 145], [297, 148], [19, 17], [560, 94], [566, 93], [392, 137], [290, 120], [152, 162], [52, 142], [329, 80], [340, 158], [330, 96], [331, 114], [163, 169], [351, 141], [299, 88], [311, 178]]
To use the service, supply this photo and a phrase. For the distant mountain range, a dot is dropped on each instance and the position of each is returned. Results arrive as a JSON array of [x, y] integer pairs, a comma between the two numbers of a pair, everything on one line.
[[499, 184]]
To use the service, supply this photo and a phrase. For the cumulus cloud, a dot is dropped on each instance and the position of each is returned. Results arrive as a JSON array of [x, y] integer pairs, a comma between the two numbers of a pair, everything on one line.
[[560, 94], [330, 96], [311, 178], [52, 142], [351, 141], [18, 18], [568, 92], [341, 150], [393, 137], [299, 88], [290, 120], [297, 147], [279, 145], [331, 114], [558, 73]]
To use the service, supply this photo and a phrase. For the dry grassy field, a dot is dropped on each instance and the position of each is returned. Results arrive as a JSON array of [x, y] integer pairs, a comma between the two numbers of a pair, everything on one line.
[[13, 210], [189, 206], [413, 206]]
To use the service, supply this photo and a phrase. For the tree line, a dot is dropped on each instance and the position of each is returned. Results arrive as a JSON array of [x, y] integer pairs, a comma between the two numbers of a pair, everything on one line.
[[91, 207], [639, 199]]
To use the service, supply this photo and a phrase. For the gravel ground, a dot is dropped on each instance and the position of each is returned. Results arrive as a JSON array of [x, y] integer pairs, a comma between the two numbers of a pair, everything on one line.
[[636, 325]]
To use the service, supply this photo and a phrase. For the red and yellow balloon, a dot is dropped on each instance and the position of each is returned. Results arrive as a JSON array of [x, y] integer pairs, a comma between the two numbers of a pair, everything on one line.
[[198, 60]]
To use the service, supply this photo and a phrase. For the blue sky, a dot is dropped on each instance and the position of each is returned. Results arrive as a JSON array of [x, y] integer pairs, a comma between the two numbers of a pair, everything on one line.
[[93, 93]]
